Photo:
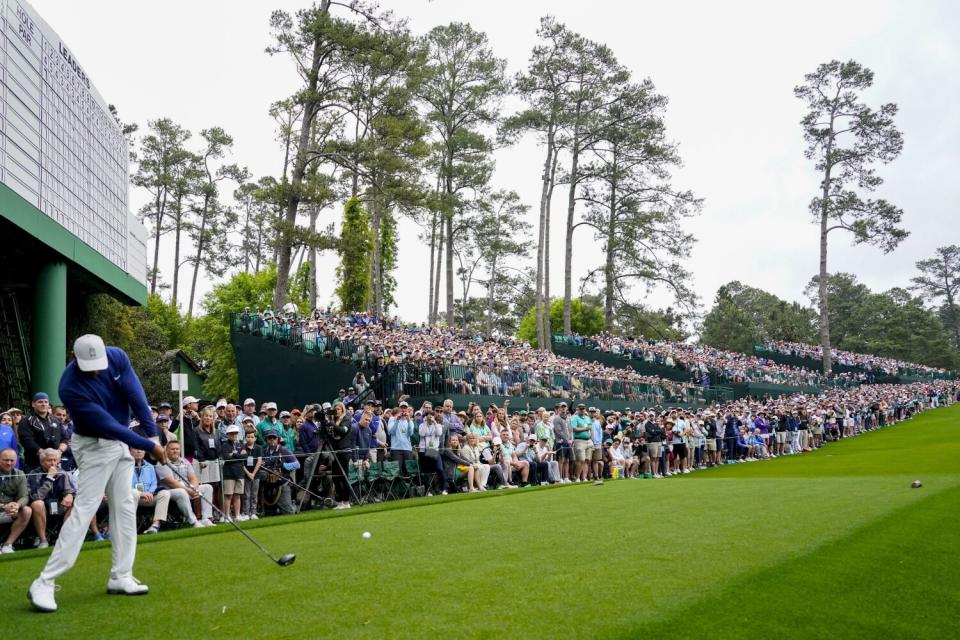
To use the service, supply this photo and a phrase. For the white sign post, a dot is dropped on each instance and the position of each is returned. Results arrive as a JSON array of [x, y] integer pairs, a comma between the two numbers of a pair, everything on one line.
[[178, 382]]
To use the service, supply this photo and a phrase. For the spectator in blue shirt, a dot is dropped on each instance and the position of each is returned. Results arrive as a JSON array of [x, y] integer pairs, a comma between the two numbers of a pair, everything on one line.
[[400, 429], [8, 437]]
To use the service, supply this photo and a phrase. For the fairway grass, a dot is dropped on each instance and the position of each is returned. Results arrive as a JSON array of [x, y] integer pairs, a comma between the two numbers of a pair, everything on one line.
[[832, 543]]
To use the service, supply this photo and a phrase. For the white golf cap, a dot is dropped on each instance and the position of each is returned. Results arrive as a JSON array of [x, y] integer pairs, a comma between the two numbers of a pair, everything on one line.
[[189, 400], [232, 429], [249, 401], [221, 404], [271, 405], [91, 353]]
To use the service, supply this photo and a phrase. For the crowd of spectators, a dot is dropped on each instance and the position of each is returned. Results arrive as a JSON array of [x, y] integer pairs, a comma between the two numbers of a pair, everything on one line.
[[709, 365], [256, 460], [866, 362], [421, 359]]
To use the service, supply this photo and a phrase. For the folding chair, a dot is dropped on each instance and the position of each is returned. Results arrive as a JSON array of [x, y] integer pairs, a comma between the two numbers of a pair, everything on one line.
[[394, 486], [374, 481], [355, 480], [419, 481]]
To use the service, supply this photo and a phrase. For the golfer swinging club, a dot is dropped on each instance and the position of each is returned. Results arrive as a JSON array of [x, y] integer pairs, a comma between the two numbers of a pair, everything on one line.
[[99, 390]]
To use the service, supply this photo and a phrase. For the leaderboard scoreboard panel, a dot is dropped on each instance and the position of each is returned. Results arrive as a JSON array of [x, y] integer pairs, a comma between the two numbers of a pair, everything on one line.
[[60, 148]]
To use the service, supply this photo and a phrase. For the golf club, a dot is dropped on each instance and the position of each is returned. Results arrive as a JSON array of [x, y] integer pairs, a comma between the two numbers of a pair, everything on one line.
[[284, 560], [293, 484]]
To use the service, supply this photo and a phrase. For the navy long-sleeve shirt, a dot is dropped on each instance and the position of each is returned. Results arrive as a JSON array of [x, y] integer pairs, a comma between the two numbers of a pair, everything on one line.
[[100, 405], [309, 439]]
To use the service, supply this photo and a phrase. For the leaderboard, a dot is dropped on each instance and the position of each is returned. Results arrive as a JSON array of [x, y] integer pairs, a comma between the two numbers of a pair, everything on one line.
[[61, 149]]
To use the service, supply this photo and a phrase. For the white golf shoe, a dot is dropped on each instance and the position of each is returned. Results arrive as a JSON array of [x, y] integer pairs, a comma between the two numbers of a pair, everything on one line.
[[41, 594], [126, 586]]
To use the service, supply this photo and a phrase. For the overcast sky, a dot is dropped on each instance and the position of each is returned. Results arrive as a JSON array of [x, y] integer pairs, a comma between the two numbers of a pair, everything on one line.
[[727, 68]]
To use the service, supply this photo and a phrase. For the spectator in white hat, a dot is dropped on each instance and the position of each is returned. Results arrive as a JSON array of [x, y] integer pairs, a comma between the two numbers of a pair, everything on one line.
[[189, 421], [269, 422], [233, 455], [249, 410]]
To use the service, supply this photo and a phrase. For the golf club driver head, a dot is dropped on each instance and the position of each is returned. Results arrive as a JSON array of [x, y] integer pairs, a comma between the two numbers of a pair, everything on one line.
[[286, 560]]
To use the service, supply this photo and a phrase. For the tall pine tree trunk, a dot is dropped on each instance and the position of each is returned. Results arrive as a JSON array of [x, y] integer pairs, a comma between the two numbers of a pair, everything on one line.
[[176, 259], [545, 318], [438, 272], [449, 269], [449, 211], [491, 288], [256, 266], [199, 256], [823, 290], [611, 248], [433, 251], [246, 240], [953, 312], [568, 238], [160, 205], [312, 285], [542, 238], [310, 108]]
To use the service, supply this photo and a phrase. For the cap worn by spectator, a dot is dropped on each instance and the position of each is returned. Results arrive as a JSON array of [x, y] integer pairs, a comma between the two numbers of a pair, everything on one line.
[[295, 412], [232, 429], [532, 437], [189, 400], [497, 441], [248, 419], [163, 419], [164, 405], [326, 405], [221, 404], [40, 395], [249, 401], [271, 433], [284, 414], [271, 406]]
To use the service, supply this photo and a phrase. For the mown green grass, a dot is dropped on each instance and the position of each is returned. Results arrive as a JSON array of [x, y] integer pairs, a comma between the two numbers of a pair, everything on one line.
[[831, 543]]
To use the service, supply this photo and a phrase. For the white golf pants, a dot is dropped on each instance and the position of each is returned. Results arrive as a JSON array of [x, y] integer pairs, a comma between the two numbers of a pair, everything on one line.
[[105, 468]]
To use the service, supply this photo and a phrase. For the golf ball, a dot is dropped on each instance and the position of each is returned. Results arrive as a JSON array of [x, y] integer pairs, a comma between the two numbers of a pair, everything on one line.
[[366, 535], [916, 484]]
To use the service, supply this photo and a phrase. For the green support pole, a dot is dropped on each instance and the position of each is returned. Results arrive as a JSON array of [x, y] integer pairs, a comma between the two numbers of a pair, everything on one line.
[[49, 344]]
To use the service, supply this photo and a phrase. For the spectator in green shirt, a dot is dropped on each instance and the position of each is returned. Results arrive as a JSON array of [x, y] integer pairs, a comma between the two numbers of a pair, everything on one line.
[[269, 422], [582, 425]]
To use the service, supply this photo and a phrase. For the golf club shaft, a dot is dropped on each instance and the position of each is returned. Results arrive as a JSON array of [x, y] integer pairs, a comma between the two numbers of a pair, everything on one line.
[[293, 484], [222, 515]]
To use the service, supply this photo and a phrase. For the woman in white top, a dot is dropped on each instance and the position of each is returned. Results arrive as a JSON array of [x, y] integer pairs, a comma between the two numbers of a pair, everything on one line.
[[431, 435], [472, 452]]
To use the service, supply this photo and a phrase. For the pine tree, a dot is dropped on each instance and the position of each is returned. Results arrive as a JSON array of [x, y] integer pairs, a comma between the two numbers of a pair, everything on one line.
[[356, 245]]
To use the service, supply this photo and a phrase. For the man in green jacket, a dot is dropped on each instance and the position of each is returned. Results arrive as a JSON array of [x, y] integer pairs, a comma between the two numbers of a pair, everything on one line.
[[13, 498], [270, 422]]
